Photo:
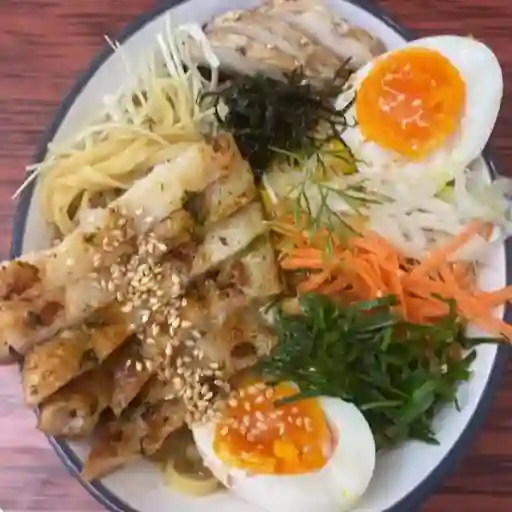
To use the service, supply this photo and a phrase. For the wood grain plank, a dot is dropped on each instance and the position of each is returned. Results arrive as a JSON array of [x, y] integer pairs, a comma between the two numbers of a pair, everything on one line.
[[43, 45]]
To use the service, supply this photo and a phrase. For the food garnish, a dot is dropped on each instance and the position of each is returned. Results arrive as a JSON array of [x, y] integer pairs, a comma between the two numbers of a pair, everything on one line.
[[266, 115], [396, 372], [369, 267]]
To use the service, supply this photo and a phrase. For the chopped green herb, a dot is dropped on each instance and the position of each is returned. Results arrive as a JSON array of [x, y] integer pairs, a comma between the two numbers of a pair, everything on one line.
[[399, 374]]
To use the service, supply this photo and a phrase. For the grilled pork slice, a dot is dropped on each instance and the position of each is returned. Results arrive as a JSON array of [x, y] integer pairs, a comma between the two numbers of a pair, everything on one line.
[[49, 366]]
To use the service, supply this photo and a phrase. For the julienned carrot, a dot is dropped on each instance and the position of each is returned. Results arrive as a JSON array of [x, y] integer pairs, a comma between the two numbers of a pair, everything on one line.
[[369, 267], [440, 256]]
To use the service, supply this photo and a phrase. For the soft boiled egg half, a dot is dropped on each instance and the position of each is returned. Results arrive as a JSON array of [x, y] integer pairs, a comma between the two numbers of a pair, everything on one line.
[[431, 104], [309, 455]]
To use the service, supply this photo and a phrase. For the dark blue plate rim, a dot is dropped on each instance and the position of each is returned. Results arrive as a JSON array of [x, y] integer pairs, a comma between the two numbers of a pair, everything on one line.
[[413, 500]]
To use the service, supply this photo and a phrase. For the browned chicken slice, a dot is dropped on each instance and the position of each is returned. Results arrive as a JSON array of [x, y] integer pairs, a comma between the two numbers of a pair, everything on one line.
[[108, 329], [151, 199], [232, 346], [118, 441], [238, 342], [26, 323], [50, 366], [254, 273], [130, 372], [74, 410], [278, 37], [16, 278], [162, 419], [115, 442]]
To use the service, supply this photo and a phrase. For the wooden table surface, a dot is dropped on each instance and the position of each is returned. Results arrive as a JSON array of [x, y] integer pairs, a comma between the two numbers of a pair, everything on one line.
[[43, 45]]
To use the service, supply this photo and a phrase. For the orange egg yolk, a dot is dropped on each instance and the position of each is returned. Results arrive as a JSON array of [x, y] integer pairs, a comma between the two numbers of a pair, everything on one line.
[[410, 102], [260, 436]]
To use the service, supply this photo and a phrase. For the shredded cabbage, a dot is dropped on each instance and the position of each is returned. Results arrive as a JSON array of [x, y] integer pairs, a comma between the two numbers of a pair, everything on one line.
[[138, 126]]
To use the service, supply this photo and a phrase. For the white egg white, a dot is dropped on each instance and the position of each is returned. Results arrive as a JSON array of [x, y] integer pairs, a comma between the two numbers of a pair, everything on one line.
[[481, 72], [334, 488]]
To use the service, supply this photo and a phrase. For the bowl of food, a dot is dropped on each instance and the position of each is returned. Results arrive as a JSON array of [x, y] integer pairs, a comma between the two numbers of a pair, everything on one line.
[[261, 261]]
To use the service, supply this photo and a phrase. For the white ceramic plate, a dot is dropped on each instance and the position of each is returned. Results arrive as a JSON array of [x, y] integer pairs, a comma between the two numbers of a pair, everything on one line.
[[403, 477]]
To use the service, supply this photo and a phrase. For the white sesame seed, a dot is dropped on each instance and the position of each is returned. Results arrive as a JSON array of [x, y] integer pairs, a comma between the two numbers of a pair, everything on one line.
[[233, 403], [224, 431], [138, 366], [261, 426], [299, 422], [269, 393], [259, 399], [260, 416], [247, 420], [247, 406]]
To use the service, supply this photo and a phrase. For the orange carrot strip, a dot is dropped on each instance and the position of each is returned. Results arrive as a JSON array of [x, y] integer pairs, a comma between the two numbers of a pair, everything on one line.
[[314, 281], [496, 297], [440, 255], [293, 263], [339, 284]]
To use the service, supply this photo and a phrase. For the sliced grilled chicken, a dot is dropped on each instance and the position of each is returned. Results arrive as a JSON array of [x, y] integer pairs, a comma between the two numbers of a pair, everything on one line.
[[238, 342], [280, 36], [228, 237], [108, 328], [103, 235], [50, 366], [71, 304], [317, 21], [263, 37], [162, 419], [117, 442], [130, 372], [74, 410]]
